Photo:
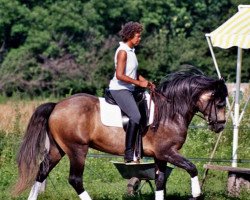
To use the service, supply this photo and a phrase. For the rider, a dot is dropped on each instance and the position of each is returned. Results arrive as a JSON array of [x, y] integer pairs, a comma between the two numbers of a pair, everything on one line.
[[125, 79]]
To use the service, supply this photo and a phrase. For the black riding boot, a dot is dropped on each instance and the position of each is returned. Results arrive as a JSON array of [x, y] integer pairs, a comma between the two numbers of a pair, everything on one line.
[[132, 130]]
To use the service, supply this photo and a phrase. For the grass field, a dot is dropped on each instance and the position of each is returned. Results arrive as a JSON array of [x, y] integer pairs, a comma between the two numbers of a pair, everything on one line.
[[101, 179]]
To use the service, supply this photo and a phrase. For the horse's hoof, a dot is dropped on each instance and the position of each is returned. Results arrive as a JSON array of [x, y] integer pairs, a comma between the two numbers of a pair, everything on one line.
[[201, 197]]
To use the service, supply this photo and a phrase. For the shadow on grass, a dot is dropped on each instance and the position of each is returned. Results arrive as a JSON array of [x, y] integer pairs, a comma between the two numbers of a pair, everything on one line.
[[151, 197], [175, 196]]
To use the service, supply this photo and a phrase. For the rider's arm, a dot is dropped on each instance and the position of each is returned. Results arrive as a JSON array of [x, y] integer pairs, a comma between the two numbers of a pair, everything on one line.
[[120, 71]]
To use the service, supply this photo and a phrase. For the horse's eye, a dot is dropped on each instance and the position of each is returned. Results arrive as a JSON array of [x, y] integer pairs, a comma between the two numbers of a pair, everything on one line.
[[221, 104]]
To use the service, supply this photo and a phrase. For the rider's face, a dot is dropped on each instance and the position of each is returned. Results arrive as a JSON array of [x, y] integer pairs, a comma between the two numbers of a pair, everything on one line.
[[136, 39]]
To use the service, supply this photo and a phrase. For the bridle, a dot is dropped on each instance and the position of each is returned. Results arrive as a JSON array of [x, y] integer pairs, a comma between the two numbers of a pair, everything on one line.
[[209, 107]]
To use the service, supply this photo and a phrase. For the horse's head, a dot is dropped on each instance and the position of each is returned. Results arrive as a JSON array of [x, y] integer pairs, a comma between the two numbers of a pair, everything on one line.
[[212, 104], [188, 91]]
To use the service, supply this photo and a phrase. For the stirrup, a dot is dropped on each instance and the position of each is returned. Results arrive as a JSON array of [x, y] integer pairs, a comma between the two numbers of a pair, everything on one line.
[[132, 162]]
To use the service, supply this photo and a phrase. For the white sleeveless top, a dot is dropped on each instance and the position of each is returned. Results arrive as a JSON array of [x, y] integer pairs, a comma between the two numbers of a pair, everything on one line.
[[130, 69]]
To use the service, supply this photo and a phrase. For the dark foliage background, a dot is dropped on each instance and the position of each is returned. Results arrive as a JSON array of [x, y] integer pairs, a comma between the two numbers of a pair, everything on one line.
[[62, 47]]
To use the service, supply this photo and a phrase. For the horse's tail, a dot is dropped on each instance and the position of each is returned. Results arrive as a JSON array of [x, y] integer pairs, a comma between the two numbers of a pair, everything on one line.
[[32, 149]]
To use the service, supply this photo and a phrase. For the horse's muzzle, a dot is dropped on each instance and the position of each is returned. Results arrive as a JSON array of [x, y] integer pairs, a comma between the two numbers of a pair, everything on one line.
[[216, 127]]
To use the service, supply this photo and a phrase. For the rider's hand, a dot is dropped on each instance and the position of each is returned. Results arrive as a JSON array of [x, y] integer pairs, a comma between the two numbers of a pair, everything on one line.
[[151, 85], [143, 83]]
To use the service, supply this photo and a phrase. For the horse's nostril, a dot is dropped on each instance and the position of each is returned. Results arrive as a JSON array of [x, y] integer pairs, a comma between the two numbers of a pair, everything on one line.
[[220, 128]]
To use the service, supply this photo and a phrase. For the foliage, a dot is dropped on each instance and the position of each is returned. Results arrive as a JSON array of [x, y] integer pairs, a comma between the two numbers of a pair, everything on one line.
[[60, 47]]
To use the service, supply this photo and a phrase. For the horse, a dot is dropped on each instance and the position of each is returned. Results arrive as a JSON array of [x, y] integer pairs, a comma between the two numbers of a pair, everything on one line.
[[73, 125]]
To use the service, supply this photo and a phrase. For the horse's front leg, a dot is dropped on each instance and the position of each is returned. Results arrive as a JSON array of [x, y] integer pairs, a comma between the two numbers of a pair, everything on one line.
[[176, 159], [160, 180]]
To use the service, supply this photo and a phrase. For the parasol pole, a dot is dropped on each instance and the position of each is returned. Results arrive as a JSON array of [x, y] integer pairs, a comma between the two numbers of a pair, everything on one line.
[[237, 108]]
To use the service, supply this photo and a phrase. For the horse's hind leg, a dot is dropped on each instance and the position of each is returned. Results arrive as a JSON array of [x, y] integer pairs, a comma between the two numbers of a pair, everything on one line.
[[77, 158], [50, 161]]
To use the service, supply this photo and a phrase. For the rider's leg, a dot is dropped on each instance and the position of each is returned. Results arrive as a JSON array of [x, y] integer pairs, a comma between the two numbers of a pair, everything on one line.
[[132, 130], [126, 101]]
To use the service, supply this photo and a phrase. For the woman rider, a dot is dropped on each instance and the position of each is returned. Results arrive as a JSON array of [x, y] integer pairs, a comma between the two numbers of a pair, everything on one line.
[[125, 79]]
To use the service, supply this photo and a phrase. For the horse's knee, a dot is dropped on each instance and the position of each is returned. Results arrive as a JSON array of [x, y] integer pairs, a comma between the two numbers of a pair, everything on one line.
[[43, 170], [49, 162], [160, 180], [76, 183]]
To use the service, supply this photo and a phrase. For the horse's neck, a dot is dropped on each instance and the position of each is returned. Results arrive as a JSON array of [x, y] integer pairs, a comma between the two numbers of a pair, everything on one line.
[[189, 117], [184, 118]]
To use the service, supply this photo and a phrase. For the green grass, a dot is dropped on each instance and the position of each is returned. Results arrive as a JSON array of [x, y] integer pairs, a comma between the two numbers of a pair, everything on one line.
[[103, 181]]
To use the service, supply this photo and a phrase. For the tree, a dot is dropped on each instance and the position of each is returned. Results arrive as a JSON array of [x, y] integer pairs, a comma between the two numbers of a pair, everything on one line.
[[64, 46]]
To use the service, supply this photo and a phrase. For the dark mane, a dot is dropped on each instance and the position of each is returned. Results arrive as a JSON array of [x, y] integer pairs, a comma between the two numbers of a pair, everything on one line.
[[180, 91]]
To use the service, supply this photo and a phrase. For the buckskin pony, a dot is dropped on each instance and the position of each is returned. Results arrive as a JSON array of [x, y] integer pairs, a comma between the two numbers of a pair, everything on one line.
[[73, 125]]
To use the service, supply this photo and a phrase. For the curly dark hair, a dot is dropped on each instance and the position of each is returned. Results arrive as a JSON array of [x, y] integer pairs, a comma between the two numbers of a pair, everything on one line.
[[129, 30]]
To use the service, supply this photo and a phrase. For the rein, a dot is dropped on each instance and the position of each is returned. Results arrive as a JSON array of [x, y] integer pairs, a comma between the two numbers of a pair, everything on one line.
[[153, 94]]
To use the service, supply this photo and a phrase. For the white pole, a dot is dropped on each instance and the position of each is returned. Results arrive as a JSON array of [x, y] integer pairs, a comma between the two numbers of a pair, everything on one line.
[[237, 108], [244, 109], [216, 67], [213, 56]]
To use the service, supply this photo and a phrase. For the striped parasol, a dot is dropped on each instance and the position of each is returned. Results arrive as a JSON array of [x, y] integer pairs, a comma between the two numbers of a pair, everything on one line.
[[234, 32]]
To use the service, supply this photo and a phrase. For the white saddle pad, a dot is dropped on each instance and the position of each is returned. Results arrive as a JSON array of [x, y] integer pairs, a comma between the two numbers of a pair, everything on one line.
[[111, 114]]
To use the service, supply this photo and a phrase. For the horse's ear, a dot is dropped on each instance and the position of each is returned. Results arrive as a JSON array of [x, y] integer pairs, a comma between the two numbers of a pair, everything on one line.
[[220, 87], [220, 82], [222, 79]]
